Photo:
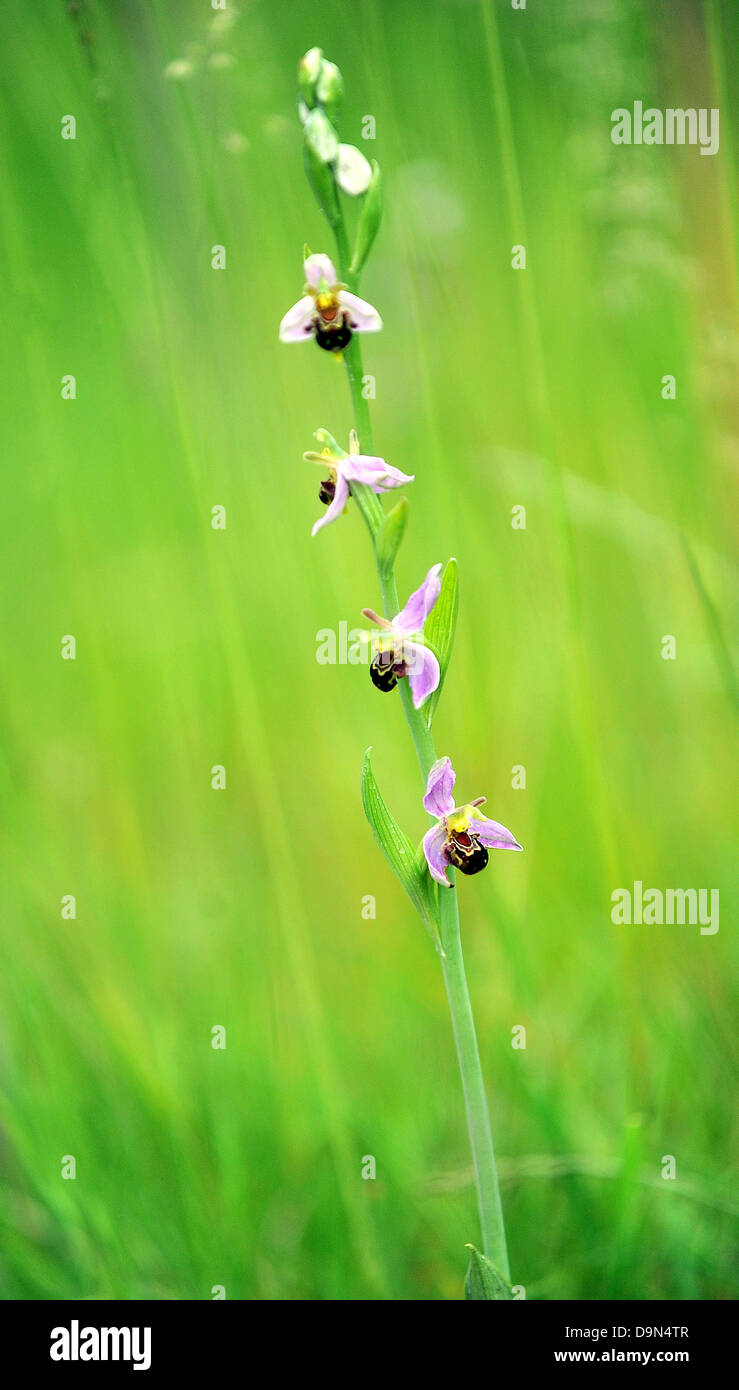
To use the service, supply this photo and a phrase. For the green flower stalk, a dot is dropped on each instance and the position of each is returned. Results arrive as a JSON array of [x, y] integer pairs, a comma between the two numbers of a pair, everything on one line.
[[412, 647]]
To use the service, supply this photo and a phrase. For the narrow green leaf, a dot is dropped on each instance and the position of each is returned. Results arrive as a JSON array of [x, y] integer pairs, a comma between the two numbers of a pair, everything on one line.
[[484, 1280], [715, 626], [438, 630], [369, 220], [405, 862], [389, 536]]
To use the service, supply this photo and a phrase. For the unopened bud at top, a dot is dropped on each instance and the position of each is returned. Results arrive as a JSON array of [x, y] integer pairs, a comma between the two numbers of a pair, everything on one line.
[[330, 89], [309, 69]]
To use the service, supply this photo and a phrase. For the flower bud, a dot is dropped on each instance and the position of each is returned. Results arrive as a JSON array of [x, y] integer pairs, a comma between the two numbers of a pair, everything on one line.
[[321, 136], [330, 88], [353, 171], [309, 69]]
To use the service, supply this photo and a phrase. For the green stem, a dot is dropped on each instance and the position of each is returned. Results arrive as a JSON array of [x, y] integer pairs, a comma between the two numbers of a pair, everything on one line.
[[468, 1054], [353, 353], [353, 364]]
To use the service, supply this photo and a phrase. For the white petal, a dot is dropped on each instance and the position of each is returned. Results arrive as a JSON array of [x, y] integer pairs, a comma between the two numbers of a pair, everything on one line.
[[297, 324], [363, 318], [318, 268]]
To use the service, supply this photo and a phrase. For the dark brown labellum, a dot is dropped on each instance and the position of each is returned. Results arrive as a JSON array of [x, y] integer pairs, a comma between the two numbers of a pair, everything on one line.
[[326, 491], [334, 339], [384, 671], [466, 853]]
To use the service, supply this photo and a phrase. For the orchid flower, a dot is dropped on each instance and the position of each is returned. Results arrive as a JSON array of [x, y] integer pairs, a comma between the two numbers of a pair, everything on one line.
[[399, 649], [344, 469], [328, 311], [463, 834]]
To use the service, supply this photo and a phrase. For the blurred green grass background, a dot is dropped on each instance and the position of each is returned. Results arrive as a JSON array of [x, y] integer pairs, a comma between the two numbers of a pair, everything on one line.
[[196, 647]]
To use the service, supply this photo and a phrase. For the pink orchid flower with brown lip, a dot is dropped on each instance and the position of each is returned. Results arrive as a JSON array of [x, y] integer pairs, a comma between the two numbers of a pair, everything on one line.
[[399, 649], [328, 311], [344, 469], [463, 834]]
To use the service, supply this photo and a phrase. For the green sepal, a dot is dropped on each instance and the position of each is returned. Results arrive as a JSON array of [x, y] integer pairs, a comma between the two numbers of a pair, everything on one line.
[[408, 864], [389, 536], [438, 630], [327, 441], [484, 1281], [369, 221]]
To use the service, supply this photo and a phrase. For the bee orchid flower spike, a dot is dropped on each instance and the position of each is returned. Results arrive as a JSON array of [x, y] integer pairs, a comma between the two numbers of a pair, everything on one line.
[[414, 646]]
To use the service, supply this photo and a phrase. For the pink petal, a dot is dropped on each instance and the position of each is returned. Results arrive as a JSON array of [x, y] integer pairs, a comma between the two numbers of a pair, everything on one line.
[[393, 477], [297, 324], [433, 847], [364, 468], [438, 800], [336, 506], [318, 268], [493, 835], [375, 472], [423, 671], [363, 318], [419, 605]]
